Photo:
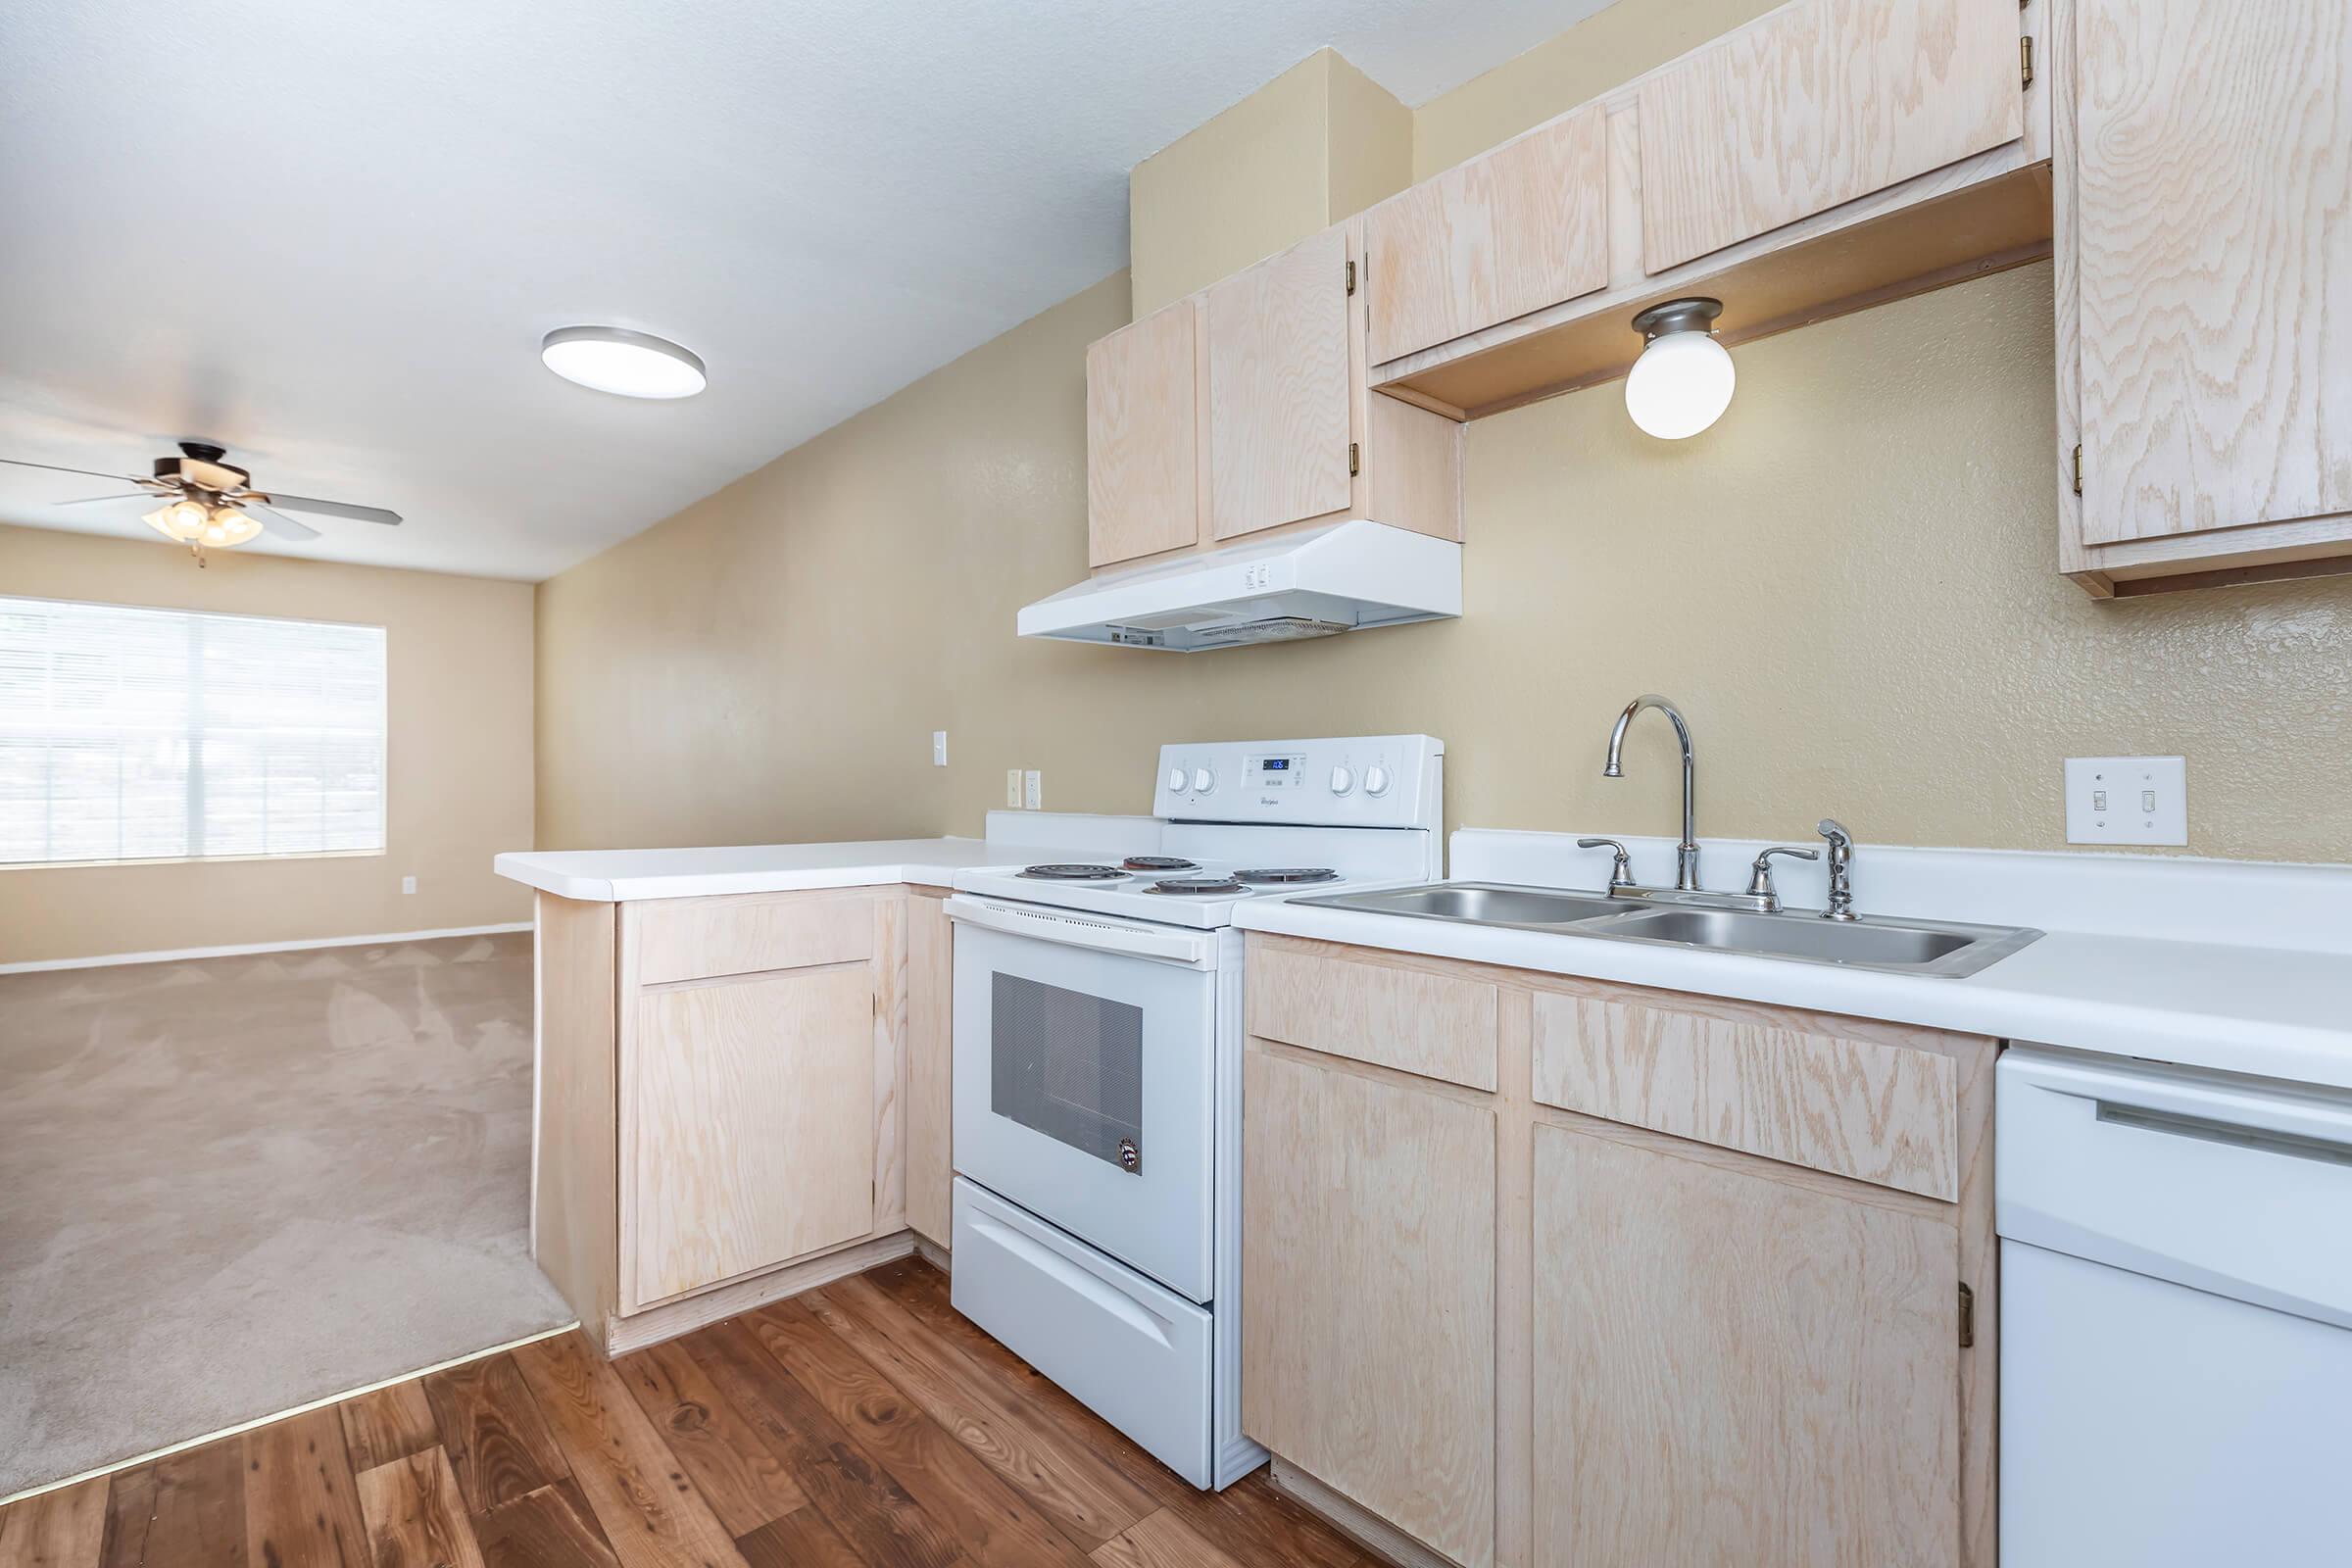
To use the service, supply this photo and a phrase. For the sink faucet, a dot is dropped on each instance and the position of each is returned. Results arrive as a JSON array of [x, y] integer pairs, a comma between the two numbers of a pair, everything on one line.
[[1686, 853]]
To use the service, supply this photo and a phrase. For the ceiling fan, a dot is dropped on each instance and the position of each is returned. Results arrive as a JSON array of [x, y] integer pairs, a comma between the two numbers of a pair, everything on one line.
[[209, 503]]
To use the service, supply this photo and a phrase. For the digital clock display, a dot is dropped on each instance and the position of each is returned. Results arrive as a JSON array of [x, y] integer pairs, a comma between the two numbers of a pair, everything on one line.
[[1276, 764]]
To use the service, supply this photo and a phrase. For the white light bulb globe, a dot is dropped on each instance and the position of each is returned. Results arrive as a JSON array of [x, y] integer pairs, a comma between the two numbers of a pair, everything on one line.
[[1680, 385]]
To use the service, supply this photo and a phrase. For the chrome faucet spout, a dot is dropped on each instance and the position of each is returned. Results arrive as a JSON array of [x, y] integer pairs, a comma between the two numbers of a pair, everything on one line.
[[1686, 853]]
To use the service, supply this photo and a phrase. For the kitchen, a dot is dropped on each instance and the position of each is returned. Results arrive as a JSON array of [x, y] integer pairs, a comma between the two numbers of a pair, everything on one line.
[[1870, 598]]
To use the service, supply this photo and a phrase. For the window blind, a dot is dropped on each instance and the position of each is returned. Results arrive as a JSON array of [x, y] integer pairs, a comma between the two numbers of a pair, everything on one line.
[[132, 734]]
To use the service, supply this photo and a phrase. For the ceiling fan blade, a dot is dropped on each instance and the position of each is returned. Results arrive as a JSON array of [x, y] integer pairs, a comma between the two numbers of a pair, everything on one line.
[[333, 509], [92, 474], [278, 523], [91, 501]]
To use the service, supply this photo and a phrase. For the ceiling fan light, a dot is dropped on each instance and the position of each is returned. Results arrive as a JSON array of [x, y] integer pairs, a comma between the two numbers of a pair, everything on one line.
[[630, 364], [234, 525], [181, 521]]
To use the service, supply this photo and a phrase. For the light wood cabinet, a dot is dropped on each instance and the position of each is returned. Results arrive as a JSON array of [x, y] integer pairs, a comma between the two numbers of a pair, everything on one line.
[[930, 1068], [1368, 1270], [1829, 156], [1736, 1361], [1819, 103], [1735, 1262], [723, 1099], [1524, 227], [2204, 285], [1279, 389], [1143, 446], [748, 1125]]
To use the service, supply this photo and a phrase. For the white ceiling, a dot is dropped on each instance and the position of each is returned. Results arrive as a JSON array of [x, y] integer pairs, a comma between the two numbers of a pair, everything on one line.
[[330, 236]]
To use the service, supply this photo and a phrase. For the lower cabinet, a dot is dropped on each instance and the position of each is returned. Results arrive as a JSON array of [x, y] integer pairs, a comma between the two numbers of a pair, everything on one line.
[[748, 1126], [1699, 1281], [724, 1098], [1737, 1363], [1368, 1278]]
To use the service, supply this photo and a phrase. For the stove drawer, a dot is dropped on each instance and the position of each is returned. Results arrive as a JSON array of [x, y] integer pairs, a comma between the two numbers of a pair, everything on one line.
[[1135, 1354]]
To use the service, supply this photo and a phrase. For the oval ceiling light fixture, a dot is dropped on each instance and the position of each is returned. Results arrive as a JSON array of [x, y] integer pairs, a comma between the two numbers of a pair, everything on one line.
[[1682, 382], [633, 365]]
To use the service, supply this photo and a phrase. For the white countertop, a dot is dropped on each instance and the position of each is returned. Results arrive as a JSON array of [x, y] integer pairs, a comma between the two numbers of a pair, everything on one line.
[[2267, 1009], [1014, 837], [613, 876]]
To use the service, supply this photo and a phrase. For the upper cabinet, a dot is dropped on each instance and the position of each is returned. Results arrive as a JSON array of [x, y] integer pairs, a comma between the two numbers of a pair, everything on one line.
[[1816, 105], [1279, 389], [1143, 452], [1491, 239], [1244, 409], [2204, 181]]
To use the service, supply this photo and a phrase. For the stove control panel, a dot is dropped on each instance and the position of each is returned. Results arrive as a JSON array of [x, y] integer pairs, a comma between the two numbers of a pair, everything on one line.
[[1359, 781]]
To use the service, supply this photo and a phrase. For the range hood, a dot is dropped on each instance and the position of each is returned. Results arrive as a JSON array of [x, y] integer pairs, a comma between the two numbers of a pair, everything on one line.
[[1344, 576]]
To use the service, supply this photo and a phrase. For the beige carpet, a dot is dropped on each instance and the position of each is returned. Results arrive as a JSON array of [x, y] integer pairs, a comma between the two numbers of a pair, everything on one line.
[[233, 1185]]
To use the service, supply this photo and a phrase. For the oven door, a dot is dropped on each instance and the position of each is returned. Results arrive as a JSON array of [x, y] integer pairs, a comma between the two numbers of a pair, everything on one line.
[[1084, 1050]]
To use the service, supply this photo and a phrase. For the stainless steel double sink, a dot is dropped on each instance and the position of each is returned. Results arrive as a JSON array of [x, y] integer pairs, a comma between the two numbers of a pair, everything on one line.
[[1946, 950]]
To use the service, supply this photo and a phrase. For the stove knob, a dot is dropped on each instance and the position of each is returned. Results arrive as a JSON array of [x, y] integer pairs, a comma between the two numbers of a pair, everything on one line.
[[1203, 780], [1376, 780], [1343, 779], [1176, 780]]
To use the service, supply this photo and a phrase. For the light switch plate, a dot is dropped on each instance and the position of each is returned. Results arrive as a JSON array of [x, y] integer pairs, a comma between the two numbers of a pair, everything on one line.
[[2126, 800], [407, 884], [1037, 790], [1013, 789], [938, 748]]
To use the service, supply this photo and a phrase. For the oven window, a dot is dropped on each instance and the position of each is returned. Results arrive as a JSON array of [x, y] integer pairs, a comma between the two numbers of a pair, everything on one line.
[[1067, 1065]]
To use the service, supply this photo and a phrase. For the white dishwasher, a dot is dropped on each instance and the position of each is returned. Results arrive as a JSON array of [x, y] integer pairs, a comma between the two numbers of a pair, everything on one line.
[[2175, 1316]]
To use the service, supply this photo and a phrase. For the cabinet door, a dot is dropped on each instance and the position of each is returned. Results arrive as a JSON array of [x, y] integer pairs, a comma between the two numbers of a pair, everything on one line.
[[747, 1126], [1819, 103], [1279, 387], [1368, 1284], [1143, 487], [1511, 232], [930, 997], [1739, 1363], [2214, 244]]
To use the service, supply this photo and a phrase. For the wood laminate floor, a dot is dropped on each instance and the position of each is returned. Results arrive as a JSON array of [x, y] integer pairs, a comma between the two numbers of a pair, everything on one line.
[[866, 1423]]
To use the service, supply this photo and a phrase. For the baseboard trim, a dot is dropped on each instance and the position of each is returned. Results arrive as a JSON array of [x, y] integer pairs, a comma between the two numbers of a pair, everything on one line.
[[279, 1415], [240, 949], [1359, 1525], [931, 1253], [666, 1322]]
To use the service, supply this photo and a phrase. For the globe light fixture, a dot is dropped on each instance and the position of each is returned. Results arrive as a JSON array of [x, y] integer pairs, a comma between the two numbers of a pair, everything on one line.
[[1682, 382]]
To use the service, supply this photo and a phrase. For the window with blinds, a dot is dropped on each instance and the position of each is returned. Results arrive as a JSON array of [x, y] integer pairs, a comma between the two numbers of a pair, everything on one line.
[[130, 734]]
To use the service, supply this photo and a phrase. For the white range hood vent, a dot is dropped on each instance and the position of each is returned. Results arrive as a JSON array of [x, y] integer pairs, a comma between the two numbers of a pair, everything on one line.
[[1344, 576]]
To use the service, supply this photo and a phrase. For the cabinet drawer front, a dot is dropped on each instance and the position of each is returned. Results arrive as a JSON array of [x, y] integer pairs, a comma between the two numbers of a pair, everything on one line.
[[747, 1127], [1142, 482], [1434, 1025], [2211, 202], [1882, 1114], [694, 939], [1524, 227], [1819, 103]]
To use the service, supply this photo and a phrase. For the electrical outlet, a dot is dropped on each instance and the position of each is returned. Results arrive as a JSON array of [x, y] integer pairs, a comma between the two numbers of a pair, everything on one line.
[[2126, 800], [938, 748], [407, 884], [1013, 789], [1036, 786]]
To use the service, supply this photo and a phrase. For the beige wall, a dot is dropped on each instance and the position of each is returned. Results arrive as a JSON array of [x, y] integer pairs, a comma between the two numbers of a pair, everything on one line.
[[459, 781], [1849, 585], [1316, 144]]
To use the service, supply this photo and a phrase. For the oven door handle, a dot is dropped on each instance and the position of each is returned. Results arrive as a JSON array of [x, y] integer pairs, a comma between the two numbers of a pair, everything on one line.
[[1189, 949]]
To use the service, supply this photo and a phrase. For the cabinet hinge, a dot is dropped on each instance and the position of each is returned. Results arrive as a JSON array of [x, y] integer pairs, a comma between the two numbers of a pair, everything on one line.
[[2024, 52], [1968, 1317], [2078, 468], [1355, 460], [1351, 277]]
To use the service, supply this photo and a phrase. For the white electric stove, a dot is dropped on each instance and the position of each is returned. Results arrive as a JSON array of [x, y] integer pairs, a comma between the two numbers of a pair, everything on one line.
[[1097, 1031]]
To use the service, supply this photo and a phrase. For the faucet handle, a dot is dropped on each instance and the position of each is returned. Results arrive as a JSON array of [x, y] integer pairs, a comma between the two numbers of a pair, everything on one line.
[[1759, 880], [1621, 875]]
